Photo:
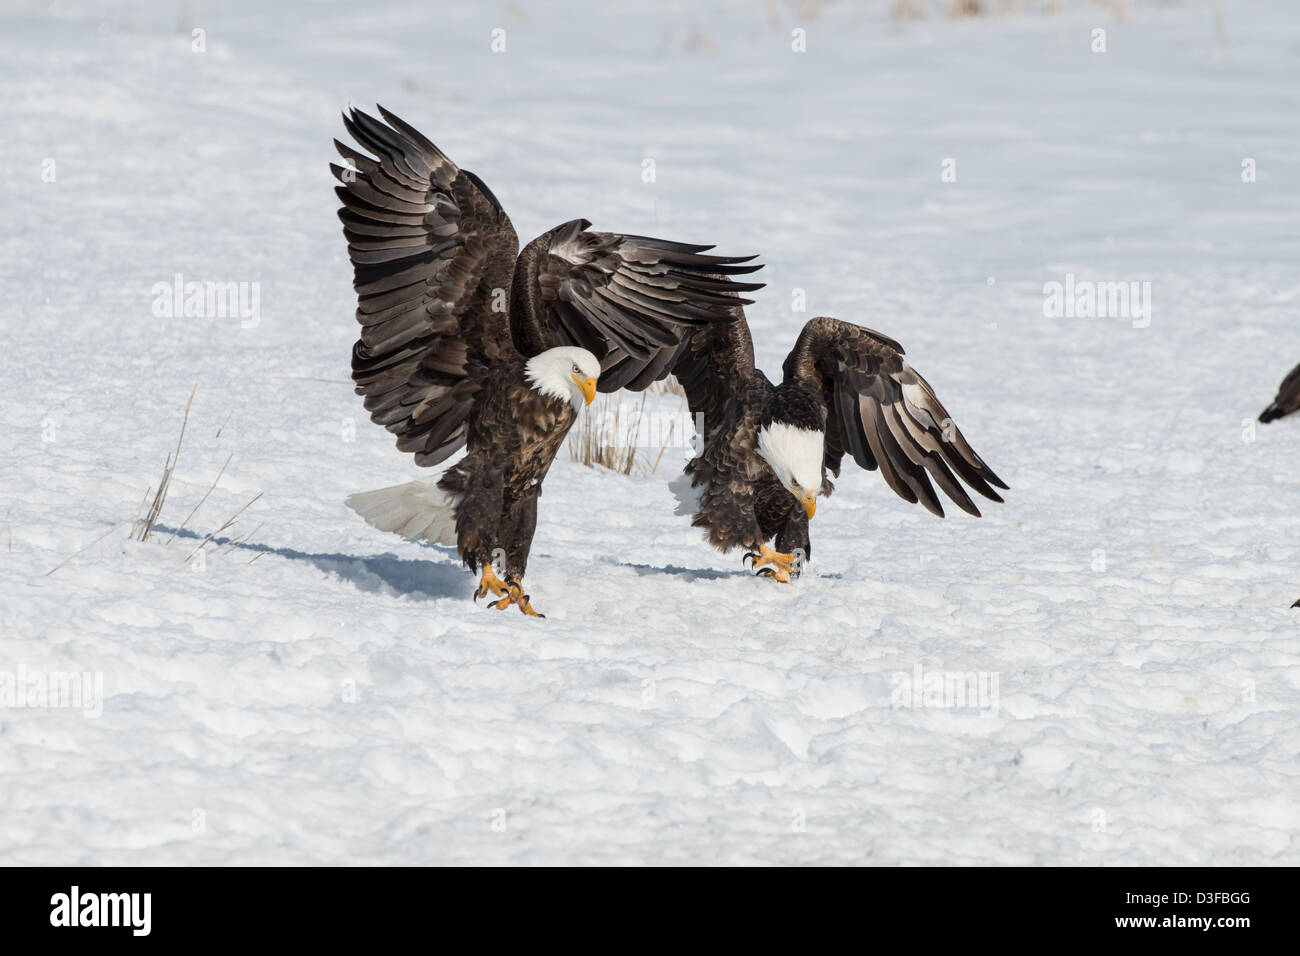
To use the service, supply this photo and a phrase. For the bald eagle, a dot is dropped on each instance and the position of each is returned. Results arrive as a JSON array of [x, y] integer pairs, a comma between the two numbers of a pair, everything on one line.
[[846, 390], [467, 342], [1287, 400]]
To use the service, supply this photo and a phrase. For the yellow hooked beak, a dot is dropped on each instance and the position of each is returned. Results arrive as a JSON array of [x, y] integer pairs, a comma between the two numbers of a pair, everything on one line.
[[809, 502], [588, 387]]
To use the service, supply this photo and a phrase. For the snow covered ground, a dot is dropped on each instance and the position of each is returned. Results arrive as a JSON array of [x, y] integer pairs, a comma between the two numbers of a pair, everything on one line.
[[319, 692]]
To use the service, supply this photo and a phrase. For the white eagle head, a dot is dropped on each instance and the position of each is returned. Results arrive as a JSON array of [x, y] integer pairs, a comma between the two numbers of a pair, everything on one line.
[[567, 373], [792, 441]]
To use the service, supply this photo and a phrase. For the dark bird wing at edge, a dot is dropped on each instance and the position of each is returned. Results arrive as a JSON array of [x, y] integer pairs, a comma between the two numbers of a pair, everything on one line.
[[1287, 400], [884, 414], [428, 242], [630, 300], [712, 363]]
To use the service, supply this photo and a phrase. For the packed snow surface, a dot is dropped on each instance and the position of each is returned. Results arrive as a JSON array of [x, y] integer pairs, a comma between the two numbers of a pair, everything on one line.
[[1102, 670]]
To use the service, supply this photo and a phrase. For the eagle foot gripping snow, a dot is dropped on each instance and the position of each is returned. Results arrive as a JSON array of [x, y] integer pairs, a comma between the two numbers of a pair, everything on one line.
[[784, 567], [509, 591]]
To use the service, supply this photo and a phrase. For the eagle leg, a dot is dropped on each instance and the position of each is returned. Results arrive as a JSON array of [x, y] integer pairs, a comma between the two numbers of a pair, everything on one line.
[[784, 567], [488, 581], [515, 595]]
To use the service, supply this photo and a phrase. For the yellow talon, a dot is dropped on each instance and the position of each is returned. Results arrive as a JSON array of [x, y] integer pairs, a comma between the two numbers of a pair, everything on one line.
[[783, 565], [511, 593], [488, 581]]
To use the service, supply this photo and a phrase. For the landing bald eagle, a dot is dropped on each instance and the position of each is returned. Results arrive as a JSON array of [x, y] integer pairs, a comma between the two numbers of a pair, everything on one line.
[[465, 343], [846, 390], [1287, 400]]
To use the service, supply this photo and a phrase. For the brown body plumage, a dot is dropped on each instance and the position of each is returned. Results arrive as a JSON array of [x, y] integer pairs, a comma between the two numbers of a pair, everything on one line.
[[520, 429]]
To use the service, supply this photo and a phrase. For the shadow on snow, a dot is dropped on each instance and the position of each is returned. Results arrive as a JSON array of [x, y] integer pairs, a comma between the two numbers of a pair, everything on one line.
[[418, 579], [407, 577]]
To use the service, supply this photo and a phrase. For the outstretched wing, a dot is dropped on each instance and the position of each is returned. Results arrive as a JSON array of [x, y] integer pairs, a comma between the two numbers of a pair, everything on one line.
[[1287, 400], [630, 300], [429, 244], [886, 415]]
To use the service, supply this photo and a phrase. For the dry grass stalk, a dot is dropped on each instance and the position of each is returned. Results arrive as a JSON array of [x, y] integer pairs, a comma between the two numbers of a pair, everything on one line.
[[169, 467], [663, 448], [80, 551], [597, 441], [235, 542], [599, 437], [135, 522], [667, 386], [211, 535], [908, 10], [201, 500]]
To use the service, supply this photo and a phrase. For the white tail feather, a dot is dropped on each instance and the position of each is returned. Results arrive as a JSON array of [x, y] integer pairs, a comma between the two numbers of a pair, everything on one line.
[[688, 497], [417, 510]]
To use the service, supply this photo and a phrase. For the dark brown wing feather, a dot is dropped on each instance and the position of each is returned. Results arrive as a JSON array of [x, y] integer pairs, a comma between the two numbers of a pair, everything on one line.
[[713, 364], [884, 414], [630, 300], [1287, 400], [429, 245]]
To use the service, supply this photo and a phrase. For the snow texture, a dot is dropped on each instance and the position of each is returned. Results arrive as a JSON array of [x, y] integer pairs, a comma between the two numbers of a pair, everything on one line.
[[315, 691]]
